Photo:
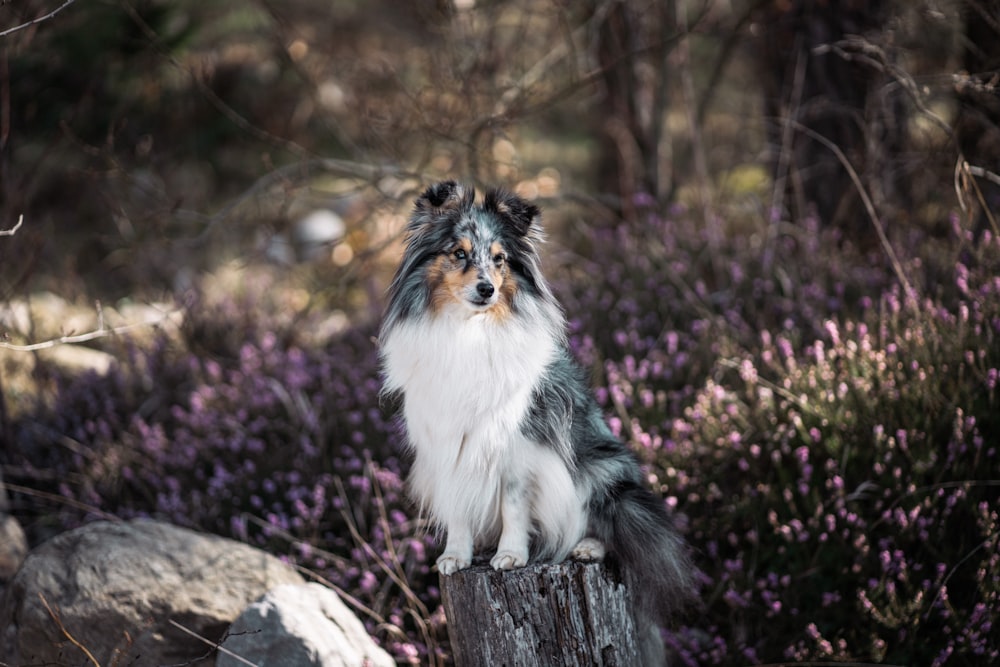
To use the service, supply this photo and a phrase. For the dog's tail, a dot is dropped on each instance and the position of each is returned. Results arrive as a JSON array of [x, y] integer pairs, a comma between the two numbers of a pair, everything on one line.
[[639, 533]]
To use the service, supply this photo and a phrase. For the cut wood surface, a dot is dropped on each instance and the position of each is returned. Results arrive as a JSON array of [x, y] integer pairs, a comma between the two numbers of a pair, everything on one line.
[[568, 613]]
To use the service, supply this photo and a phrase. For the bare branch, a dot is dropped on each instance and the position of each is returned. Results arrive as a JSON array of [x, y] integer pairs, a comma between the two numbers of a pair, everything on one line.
[[58, 499], [221, 105], [971, 171], [858, 49], [218, 647], [911, 294], [32, 22], [13, 230], [782, 173], [981, 173], [395, 574], [101, 332], [62, 628], [295, 172]]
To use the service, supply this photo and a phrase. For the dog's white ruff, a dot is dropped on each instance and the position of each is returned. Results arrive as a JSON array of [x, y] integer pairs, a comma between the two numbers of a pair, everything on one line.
[[467, 381]]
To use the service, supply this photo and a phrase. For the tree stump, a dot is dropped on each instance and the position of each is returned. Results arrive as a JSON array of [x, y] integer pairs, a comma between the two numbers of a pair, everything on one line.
[[562, 614]]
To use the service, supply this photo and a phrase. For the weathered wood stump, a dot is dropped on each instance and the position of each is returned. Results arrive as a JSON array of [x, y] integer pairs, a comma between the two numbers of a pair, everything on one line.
[[562, 614]]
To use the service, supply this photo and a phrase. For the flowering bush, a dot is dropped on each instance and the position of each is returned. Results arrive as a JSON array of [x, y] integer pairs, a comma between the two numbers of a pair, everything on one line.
[[280, 446], [827, 442], [851, 505], [836, 466]]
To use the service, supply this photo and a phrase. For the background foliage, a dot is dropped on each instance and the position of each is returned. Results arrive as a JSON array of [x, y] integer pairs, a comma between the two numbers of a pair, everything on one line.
[[771, 226]]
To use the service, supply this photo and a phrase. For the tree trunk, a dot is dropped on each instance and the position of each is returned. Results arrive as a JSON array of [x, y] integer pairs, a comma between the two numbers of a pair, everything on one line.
[[815, 71], [568, 613]]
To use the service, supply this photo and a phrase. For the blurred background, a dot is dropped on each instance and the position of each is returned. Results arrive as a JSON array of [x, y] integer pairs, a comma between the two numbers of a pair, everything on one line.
[[146, 143], [770, 222]]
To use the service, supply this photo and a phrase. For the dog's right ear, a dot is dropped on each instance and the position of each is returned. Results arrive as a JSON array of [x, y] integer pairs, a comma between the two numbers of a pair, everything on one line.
[[445, 196], [440, 203]]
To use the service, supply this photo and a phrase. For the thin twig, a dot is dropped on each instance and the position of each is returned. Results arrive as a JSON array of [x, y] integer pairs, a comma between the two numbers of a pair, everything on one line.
[[982, 173], [13, 230], [215, 645], [979, 193], [369, 173], [45, 495], [65, 632], [418, 611], [947, 578], [352, 601], [37, 20], [957, 183], [869, 207], [367, 548], [274, 531], [776, 388], [932, 488], [381, 622], [221, 105], [858, 49], [101, 332], [784, 157], [415, 602]]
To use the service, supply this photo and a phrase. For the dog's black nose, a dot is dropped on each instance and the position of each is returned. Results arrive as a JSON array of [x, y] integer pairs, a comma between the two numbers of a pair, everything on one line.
[[485, 290]]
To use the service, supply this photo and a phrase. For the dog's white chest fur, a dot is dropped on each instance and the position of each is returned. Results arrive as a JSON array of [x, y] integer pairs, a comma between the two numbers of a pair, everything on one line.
[[464, 378], [467, 385]]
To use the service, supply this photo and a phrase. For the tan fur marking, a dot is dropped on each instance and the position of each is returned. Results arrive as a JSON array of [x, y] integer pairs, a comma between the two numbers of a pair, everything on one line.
[[448, 280], [450, 284], [437, 274], [507, 286]]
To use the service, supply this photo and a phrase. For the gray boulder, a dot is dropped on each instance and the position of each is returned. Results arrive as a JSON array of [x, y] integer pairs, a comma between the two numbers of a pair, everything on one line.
[[138, 592], [300, 626]]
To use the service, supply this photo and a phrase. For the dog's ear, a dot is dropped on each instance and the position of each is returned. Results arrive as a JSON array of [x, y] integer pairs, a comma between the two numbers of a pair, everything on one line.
[[514, 211], [445, 196]]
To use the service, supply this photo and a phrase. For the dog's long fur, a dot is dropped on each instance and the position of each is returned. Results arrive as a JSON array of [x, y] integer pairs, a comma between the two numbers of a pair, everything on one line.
[[511, 450]]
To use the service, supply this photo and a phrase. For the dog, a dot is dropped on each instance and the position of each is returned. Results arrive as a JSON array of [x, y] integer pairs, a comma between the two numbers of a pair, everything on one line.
[[511, 452]]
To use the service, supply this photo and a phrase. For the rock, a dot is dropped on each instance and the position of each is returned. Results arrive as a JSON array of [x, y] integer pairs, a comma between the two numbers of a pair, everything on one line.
[[117, 590], [300, 626]]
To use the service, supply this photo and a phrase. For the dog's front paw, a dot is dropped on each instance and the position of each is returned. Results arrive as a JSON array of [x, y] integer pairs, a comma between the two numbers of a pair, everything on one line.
[[451, 563], [508, 560], [588, 549]]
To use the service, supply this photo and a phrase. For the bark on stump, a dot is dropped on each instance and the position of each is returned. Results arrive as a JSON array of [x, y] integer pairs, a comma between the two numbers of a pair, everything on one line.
[[562, 614]]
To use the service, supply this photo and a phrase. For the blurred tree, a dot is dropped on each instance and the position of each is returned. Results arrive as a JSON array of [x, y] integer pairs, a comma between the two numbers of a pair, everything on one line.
[[632, 41], [825, 65], [187, 124]]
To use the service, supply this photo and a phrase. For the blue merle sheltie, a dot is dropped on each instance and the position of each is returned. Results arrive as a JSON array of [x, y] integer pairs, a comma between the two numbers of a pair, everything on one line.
[[512, 455]]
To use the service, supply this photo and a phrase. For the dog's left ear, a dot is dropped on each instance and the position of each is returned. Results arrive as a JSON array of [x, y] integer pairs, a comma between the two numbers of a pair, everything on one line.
[[510, 208]]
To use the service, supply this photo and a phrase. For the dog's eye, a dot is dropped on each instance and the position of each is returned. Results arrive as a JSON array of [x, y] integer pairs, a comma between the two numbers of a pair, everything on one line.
[[460, 255], [499, 258]]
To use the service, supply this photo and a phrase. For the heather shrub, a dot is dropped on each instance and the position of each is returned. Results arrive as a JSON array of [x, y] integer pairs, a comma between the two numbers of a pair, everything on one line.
[[665, 300], [836, 467], [282, 446], [827, 444]]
